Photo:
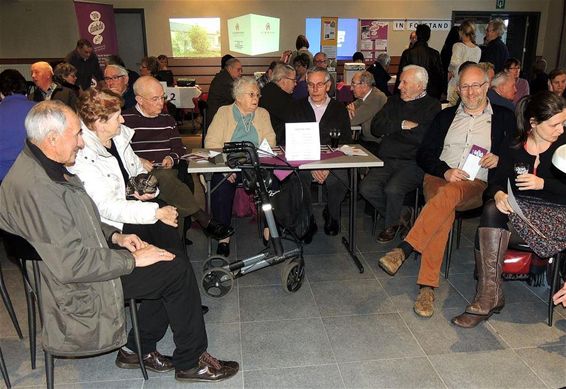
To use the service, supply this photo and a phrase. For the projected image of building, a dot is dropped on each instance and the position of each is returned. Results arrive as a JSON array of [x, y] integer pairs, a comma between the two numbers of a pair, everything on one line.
[[195, 37]]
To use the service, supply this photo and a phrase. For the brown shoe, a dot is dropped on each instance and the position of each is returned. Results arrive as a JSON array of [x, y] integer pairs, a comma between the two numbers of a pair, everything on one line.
[[468, 320], [388, 234], [392, 261], [424, 304], [153, 361], [208, 369]]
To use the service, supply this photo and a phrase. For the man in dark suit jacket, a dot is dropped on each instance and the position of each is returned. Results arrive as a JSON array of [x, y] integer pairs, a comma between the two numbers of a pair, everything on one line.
[[330, 115], [220, 91], [495, 51], [47, 89], [422, 55], [276, 98], [401, 125], [445, 147]]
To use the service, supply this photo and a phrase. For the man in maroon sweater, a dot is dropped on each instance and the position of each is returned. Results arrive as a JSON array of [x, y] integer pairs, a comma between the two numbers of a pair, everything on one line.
[[158, 143]]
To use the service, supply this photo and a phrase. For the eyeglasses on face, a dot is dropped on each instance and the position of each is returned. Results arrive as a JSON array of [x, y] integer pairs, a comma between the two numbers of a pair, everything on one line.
[[114, 78], [154, 99], [357, 83], [252, 95], [318, 85], [475, 87]]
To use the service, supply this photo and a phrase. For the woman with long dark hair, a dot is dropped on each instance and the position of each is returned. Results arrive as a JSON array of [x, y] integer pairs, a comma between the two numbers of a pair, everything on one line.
[[538, 186]]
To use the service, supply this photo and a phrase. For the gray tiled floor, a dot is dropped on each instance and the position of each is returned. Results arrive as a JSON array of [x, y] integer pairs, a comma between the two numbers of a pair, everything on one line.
[[342, 329]]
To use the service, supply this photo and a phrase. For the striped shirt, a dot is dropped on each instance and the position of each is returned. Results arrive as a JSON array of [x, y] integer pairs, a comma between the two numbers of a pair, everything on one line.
[[154, 138]]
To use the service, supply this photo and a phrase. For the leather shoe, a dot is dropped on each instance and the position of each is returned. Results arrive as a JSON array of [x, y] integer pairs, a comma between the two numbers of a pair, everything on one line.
[[208, 369], [388, 234], [223, 249], [218, 231], [153, 361], [331, 226], [313, 228]]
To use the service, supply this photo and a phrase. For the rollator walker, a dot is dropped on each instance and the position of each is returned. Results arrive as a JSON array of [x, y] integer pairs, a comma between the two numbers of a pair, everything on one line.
[[219, 274]]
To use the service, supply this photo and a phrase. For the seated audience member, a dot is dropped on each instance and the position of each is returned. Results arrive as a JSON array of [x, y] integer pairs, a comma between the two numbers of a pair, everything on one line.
[[557, 82], [149, 66], [118, 81], [446, 186], [401, 124], [358, 57], [369, 101], [267, 76], [539, 79], [86, 62], [302, 46], [116, 60], [495, 51], [503, 90], [380, 73], [489, 69], [78, 265], [540, 131], [301, 64], [106, 164], [65, 75], [513, 67], [164, 73], [47, 89], [220, 91], [157, 141], [454, 98], [422, 55], [13, 110], [241, 121], [276, 99], [320, 60], [330, 115], [225, 58]]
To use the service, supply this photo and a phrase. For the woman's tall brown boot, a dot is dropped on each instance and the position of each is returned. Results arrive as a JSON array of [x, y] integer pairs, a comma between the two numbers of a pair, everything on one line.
[[489, 262]]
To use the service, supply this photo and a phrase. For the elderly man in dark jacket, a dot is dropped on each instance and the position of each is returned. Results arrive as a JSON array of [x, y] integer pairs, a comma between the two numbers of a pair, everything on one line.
[[220, 91], [401, 125], [422, 55], [47, 89], [446, 186], [83, 280], [495, 51]]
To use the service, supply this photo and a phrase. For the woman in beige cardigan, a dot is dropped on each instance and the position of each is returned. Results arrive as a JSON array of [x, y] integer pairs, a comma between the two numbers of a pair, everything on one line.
[[241, 121]]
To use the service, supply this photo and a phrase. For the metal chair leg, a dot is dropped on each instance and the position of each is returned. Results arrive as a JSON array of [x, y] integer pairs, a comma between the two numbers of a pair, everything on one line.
[[134, 316], [458, 231], [8, 305], [4, 371], [49, 370], [554, 286], [31, 314], [448, 253]]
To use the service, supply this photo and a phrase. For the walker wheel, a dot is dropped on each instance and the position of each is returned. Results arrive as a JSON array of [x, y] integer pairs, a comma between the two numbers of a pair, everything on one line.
[[292, 275], [214, 261], [217, 282]]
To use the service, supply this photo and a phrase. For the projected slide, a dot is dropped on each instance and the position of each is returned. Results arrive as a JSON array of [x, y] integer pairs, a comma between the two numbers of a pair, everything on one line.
[[347, 36], [253, 34], [195, 37]]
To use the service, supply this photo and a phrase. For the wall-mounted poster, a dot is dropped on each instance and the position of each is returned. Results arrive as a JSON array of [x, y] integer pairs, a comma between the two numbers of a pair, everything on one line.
[[373, 38]]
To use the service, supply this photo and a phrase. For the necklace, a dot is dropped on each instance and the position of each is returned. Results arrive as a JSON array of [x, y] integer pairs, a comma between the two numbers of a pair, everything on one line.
[[248, 124]]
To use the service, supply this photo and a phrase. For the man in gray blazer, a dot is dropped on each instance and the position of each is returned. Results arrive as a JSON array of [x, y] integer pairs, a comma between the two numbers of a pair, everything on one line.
[[369, 101]]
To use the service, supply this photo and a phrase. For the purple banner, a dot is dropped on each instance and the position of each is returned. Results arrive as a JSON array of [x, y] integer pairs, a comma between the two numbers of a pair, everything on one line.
[[96, 24]]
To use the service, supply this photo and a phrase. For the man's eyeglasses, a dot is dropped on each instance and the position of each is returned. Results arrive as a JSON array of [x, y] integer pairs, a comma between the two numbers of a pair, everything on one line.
[[318, 85], [357, 83], [114, 78], [154, 99], [475, 87], [252, 95]]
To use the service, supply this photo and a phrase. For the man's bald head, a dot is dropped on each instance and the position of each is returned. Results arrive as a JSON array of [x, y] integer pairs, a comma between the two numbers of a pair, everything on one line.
[[149, 95], [42, 75]]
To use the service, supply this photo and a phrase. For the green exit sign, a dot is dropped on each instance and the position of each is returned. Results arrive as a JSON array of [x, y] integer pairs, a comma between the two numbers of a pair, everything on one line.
[[500, 4]]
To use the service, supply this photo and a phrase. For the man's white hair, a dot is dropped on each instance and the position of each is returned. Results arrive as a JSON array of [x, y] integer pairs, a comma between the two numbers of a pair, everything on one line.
[[421, 75], [121, 71], [45, 117], [43, 64], [500, 79]]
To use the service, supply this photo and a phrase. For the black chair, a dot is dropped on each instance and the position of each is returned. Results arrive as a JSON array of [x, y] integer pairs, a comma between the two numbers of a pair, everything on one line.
[[21, 249], [4, 371], [457, 231], [8, 305], [203, 108]]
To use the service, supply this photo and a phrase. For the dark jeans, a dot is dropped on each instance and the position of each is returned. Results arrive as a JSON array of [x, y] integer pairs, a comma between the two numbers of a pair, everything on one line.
[[222, 198], [385, 188], [169, 295]]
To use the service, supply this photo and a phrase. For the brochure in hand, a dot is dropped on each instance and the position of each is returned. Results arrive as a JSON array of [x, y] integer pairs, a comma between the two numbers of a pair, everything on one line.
[[471, 164]]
